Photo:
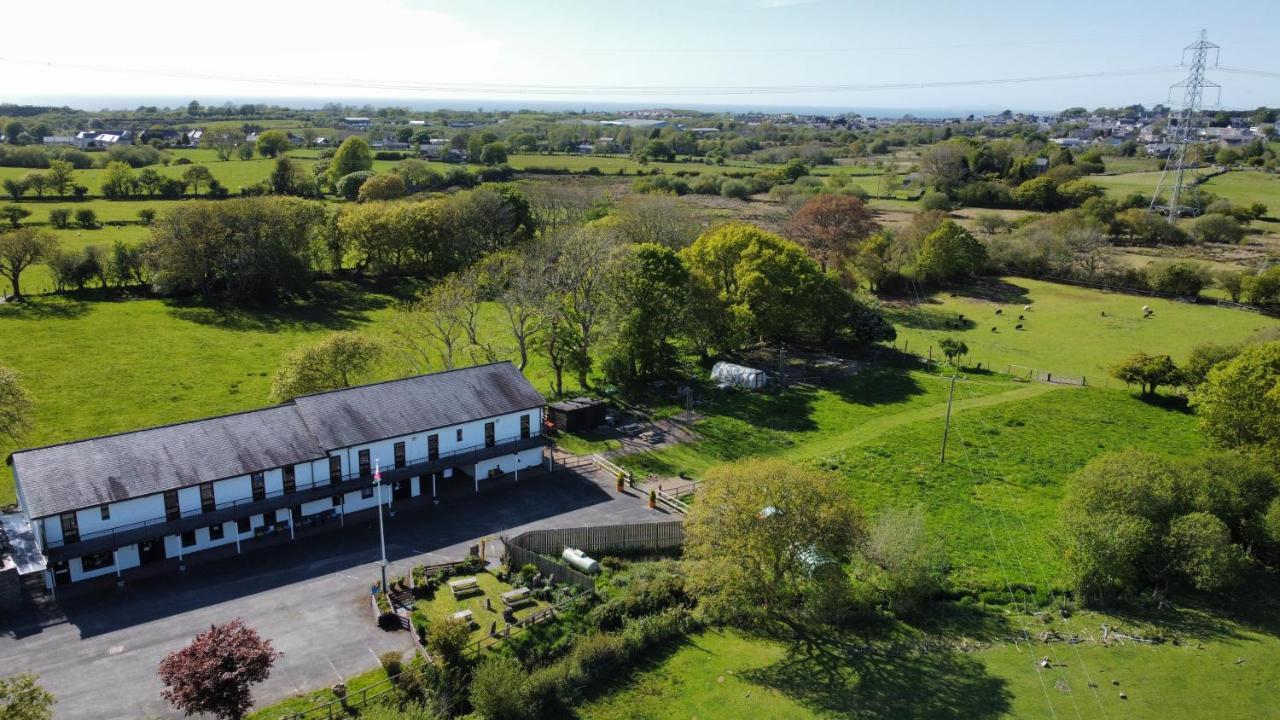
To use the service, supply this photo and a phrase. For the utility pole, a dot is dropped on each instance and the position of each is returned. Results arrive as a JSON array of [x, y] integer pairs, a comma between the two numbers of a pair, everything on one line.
[[946, 428], [1173, 178]]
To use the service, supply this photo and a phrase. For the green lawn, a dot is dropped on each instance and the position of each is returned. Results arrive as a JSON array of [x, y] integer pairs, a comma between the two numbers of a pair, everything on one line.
[[1065, 331], [1238, 186], [443, 605], [306, 701], [897, 672], [96, 367], [741, 424], [1118, 164]]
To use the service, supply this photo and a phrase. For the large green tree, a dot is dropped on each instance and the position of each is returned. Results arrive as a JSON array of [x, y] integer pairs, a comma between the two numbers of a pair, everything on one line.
[[15, 404], [335, 362], [768, 540], [1239, 402], [272, 143], [1148, 372], [353, 155], [951, 252], [20, 249], [650, 292]]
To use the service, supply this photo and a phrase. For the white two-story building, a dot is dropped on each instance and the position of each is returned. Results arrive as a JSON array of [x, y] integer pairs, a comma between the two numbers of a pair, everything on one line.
[[110, 504]]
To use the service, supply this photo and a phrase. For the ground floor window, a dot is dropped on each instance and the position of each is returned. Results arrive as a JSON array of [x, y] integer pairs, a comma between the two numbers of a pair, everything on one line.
[[244, 525], [188, 538], [366, 492], [216, 532], [97, 561], [337, 500]]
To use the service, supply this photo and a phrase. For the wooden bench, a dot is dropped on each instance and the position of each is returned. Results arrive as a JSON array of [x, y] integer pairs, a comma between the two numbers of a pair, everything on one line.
[[463, 586], [517, 597]]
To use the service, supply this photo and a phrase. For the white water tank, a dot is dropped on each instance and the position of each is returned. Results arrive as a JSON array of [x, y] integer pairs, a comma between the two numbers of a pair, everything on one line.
[[579, 560]]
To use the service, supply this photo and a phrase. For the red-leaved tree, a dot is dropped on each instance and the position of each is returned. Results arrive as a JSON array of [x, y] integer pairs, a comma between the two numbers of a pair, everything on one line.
[[831, 226], [214, 673]]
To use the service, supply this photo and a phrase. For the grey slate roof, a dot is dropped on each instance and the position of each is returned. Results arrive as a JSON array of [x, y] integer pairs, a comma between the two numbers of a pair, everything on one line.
[[342, 418], [86, 473]]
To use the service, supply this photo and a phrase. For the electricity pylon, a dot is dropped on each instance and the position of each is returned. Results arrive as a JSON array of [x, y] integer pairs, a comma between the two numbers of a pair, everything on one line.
[[1180, 136]]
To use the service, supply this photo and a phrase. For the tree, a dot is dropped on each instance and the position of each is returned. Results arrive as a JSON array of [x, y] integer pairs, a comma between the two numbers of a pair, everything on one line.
[[1201, 548], [952, 348], [991, 223], [352, 156], [348, 186], [150, 180], [37, 182], [197, 175], [215, 673], [905, 565], [494, 153], [434, 327], [658, 219], [831, 226], [945, 165], [22, 248], [15, 188], [22, 698], [951, 251], [86, 218], [119, 181], [14, 214], [15, 404], [658, 150], [583, 270], [383, 186], [1180, 278], [1263, 288], [60, 217], [497, 689], [245, 151], [284, 176], [521, 280], [1038, 194], [1232, 281], [334, 362], [223, 140], [1239, 402], [272, 143], [768, 538], [1203, 358], [650, 292], [935, 201], [60, 176], [1148, 372], [12, 130]]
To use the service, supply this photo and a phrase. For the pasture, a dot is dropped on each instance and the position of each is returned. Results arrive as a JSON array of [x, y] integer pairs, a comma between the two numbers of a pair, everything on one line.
[[1068, 330]]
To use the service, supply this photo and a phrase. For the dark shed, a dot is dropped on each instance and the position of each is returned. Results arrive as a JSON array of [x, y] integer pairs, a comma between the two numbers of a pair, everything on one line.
[[577, 414]]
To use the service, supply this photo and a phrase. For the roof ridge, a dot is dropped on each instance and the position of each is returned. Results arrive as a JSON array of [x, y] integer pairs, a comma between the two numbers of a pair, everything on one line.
[[408, 377]]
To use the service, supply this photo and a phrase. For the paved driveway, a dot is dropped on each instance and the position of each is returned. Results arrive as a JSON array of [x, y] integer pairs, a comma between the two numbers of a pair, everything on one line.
[[98, 654]]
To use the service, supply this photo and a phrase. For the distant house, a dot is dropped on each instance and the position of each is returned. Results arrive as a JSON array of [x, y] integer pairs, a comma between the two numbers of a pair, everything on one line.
[[357, 123], [389, 145], [59, 140], [1040, 165], [704, 130], [107, 139], [585, 148], [193, 136], [251, 137], [1068, 142]]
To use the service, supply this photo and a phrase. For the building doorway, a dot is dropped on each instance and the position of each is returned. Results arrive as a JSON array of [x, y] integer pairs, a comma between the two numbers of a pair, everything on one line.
[[150, 551], [61, 573], [401, 489]]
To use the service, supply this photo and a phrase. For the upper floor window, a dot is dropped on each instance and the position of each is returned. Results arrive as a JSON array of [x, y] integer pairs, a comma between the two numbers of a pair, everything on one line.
[[70, 527], [290, 479], [489, 435], [365, 466], [524, 427], [335, 468], [459, 434], [433, 447], [399, 450], [259, 486], [207, 503], [105, 511], [171, 509]]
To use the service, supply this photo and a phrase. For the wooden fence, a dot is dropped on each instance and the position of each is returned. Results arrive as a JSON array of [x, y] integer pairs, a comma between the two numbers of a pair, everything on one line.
[[518, 557], [534, 546]]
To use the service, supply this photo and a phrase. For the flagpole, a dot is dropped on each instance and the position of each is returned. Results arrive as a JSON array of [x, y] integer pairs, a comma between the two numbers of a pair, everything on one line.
[[382, 538]]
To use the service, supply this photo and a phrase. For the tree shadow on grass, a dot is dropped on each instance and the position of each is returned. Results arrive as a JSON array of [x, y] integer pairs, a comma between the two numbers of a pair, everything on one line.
[[883, 385], [44, 308], [995, 291], [1254, 605], [882, 673], [1173, 403], [926, 318], [330, 306]]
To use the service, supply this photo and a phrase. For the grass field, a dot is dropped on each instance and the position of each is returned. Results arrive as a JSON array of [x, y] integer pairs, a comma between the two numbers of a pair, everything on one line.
[[100, 367], [1118, 164], [1065, 330], [441, 607]]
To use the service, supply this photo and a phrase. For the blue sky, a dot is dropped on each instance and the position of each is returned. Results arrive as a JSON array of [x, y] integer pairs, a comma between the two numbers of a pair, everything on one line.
[[477, 51]]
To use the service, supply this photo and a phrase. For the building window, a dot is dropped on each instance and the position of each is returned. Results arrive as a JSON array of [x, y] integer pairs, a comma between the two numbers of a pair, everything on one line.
[[366, 469], [366, 492], [399, 450], [524, 427], [188, 538], [207, 503], [259, 485], [290, 479], [105, 512], [295, 514], [489, 435], [244, 525], [335, 469], [216, 532], [70, 527], [171, 509], [459, 434], [97, 561], [337, 500], [433, 447]]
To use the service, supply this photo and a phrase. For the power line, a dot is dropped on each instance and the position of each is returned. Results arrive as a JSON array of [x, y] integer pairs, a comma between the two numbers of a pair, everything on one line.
[[482, 88], [1173, 177]]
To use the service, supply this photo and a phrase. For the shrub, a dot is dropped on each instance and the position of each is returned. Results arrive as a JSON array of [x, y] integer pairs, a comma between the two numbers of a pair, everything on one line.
[[1178, 278], [348, 186], [1215, 228], [60, 217], [392, 662], [935, 201], [497, 689], [86, 218], [737, 189], [661, 184], [1201, 546]]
